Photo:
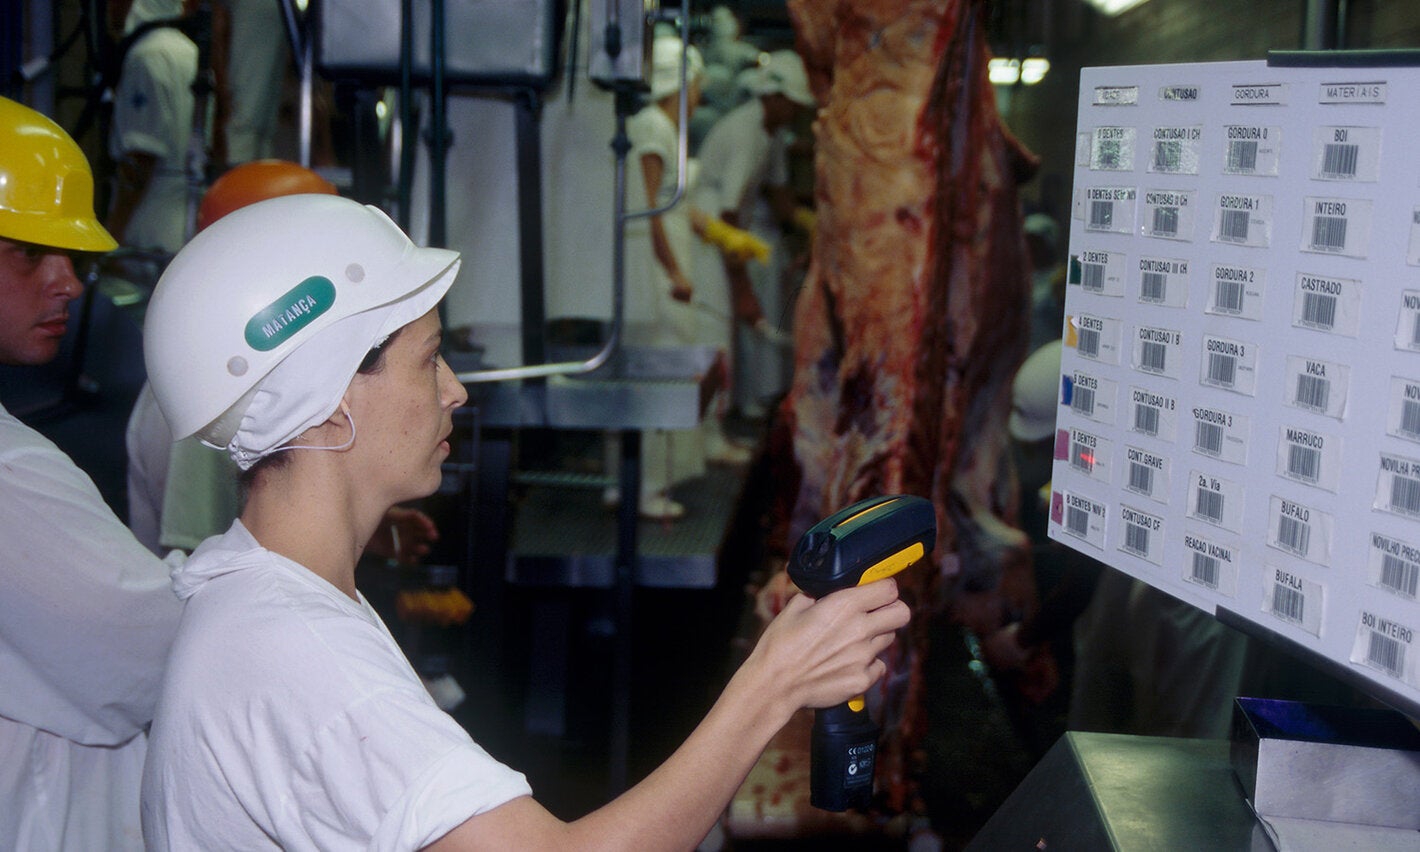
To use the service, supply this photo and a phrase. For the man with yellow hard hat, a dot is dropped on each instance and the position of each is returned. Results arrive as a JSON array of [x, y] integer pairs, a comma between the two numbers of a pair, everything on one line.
[[87, 614]]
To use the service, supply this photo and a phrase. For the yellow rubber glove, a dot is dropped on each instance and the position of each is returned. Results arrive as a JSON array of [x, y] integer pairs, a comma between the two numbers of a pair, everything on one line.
[[734, 242], [806, 220]]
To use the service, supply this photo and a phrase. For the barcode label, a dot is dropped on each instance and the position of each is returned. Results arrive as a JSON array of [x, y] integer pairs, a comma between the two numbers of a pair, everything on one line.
[[1082, 401], [1399, 576], [1153, 287], [1209, 505], [1313, 392], [1141, 478], [1108, 154], [1216, 500], [1384, 644], [1146, 420], [1339, 161], [1409, 418], [1136, 539], [1304, 463], [1092, 277], [1208, 438], [1327, 303], [1082, 458], [1222, 369], [1089, 343], [1079, 516], [1293, 535], [1165, 221], [1294, 599], [1288, 604], [1319, 386], [1415, 333], [1328, 233], [1242, 156], [1233, 226], [1152, 356], [1405, 495], [1228, 297], [1319, 311], [1386, 654], [1300, 530], [1205, 571], [1168, 156], [1102, 215]]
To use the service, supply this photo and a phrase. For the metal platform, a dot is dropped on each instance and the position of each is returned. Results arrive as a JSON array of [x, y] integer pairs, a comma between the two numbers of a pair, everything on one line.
[[564, 536]]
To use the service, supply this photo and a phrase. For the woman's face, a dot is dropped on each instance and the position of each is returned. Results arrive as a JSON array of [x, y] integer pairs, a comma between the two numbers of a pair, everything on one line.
[[404, 413]]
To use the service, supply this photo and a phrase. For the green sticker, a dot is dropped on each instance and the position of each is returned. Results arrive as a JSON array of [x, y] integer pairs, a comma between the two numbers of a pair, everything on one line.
[[296, 309]]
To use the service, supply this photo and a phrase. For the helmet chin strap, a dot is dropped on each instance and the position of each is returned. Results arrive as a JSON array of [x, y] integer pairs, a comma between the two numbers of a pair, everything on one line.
[[338, 447]]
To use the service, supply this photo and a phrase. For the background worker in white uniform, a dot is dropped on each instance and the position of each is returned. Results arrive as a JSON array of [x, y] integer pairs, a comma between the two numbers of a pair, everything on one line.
[[180, 492], [86, 613], [659, 256], [742, 162], [289, 718], [152, 125]]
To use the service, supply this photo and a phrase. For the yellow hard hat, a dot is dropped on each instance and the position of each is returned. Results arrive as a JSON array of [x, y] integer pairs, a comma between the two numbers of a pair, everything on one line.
[[46, 186]]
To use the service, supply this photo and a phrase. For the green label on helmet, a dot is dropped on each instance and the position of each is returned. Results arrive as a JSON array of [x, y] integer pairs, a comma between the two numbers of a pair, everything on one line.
[[296, 309]]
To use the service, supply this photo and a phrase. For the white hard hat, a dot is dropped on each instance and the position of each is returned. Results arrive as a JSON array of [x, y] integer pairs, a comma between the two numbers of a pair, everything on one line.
[[259, 323], [1035, 393], [665, 66], [782, 74]]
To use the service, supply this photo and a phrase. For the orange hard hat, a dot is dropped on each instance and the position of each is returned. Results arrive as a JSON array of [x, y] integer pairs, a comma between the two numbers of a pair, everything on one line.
[[257, 181]]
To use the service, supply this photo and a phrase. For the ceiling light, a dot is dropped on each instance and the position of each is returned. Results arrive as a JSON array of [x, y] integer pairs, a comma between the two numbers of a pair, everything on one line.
[[1113, 7]]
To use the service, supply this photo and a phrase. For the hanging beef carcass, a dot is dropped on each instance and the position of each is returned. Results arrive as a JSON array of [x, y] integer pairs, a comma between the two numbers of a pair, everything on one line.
[[909, 327]]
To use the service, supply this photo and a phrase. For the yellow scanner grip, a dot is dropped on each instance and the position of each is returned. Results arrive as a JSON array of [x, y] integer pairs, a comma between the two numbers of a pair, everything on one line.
[[893, 564]]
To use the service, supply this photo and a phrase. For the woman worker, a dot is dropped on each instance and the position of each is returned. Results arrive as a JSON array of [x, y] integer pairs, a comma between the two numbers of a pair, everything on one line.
[[289, 718]]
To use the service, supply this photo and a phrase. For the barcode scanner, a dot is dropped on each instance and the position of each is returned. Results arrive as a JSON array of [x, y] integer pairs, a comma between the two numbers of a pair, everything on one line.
[[870, 540]]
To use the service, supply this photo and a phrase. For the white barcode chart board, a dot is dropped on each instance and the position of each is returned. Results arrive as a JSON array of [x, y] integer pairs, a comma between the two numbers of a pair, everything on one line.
[[1239, 417]]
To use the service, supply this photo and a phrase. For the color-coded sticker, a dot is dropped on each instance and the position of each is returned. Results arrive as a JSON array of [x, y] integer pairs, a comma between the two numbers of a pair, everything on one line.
[[1299, 529], [1293, 598], [1209, 564], [1089, 396], [1099, 272], [1096, 338], [1387, 646]]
